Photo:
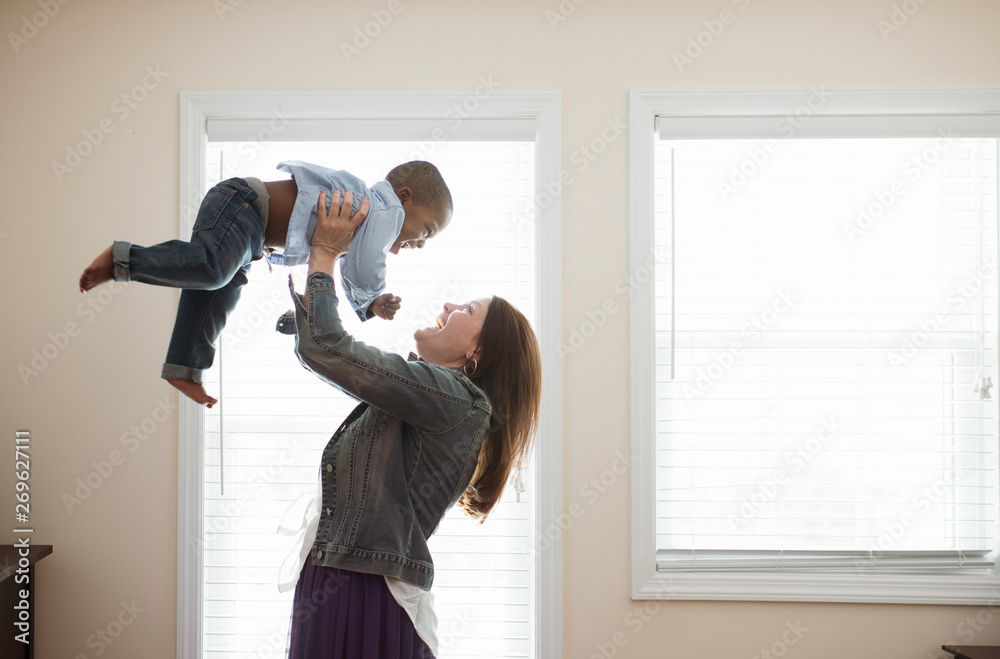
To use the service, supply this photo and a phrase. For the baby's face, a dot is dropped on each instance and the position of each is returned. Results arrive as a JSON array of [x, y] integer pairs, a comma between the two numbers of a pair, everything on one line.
[[419, 224]]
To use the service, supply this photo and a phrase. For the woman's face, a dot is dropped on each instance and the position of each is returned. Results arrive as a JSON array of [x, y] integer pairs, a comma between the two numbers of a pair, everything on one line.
[[455, 337]]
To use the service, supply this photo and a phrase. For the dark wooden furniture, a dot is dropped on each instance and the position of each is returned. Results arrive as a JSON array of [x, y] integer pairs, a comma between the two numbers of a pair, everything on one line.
[[9, 596], [973, 651]]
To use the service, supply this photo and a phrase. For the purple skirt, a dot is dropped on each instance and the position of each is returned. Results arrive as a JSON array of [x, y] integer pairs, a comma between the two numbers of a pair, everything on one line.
[[338, 614]]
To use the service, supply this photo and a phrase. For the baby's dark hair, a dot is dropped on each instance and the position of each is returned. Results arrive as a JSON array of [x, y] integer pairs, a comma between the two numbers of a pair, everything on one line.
[[424, 181]]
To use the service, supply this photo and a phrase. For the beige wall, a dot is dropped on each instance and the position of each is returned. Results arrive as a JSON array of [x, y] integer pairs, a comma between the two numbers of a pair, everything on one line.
[[119, 545]]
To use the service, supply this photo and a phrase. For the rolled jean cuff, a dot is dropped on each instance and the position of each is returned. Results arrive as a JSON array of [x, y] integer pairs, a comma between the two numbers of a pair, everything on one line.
[[177, 372], [119, 254]]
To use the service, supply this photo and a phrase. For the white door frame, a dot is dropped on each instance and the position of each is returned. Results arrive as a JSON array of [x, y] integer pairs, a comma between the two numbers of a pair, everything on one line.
[[544, 108]]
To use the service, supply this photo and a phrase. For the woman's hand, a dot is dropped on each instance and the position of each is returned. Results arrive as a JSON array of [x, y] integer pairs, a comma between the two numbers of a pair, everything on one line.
[[335, 230]]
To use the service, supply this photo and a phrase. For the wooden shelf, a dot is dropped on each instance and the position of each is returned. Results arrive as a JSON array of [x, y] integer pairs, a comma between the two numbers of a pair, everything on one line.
[[10, 595], [973, 651]]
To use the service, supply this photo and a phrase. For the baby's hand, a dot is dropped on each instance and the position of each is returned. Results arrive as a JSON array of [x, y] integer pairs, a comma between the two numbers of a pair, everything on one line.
[[386, 305]]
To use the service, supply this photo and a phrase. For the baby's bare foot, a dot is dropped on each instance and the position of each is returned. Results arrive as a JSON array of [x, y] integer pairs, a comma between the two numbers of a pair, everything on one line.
[[100, 271], [194, 391]]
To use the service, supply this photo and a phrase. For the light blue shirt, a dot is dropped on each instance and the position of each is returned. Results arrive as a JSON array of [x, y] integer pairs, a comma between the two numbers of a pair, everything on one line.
[[363, 267]]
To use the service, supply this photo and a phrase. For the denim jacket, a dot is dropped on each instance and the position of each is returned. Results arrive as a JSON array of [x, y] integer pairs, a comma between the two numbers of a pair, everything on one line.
[[401, 459]]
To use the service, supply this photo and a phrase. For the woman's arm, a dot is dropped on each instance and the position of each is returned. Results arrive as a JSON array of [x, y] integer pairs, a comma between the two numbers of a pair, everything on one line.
[[334, 233], [424, 395]]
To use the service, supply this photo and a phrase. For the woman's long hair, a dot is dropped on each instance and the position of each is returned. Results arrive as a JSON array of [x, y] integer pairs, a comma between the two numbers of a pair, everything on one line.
[[509, 370]]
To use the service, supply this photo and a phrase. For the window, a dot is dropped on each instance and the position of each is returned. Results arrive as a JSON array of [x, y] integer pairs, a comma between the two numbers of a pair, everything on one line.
[[275, 417], [821, 328]]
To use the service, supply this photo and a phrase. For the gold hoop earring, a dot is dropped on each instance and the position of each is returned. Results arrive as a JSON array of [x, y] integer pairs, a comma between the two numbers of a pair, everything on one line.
[[475, 365]]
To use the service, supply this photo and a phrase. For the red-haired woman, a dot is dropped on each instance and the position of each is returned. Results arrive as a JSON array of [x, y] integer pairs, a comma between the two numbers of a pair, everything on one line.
[[447, 427]]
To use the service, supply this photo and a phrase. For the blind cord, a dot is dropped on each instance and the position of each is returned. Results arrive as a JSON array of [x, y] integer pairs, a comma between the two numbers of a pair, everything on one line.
[[222, 379], [983, 381]]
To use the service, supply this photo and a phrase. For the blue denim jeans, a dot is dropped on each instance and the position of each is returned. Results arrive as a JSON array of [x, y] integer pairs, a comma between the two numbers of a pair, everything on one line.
[[211, 269]]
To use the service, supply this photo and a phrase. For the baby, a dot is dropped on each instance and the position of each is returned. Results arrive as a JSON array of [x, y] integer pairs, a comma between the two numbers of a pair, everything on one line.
[[242, 218]]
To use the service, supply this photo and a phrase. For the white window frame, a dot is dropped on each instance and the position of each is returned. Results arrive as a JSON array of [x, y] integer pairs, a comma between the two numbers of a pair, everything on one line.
[[754, 105], [544, 109]]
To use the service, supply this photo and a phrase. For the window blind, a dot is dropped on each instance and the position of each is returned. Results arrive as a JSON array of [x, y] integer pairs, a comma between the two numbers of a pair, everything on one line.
[[276, 417], [456, 125], [826, 316], [801, 124]]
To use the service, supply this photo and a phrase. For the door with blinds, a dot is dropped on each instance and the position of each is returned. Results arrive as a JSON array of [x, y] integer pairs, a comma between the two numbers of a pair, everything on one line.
[[263, 442]]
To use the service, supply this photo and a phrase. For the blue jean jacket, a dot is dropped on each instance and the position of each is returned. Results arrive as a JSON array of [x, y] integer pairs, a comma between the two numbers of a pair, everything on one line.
[[401, 459]]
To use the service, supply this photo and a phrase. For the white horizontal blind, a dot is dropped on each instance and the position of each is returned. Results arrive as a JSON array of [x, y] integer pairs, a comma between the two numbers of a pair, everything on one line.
[[803, 125], [278, 417], [823, 310], [454, 126]]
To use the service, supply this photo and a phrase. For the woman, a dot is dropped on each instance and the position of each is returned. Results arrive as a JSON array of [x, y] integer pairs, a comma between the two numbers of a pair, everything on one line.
[[446, 427]]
